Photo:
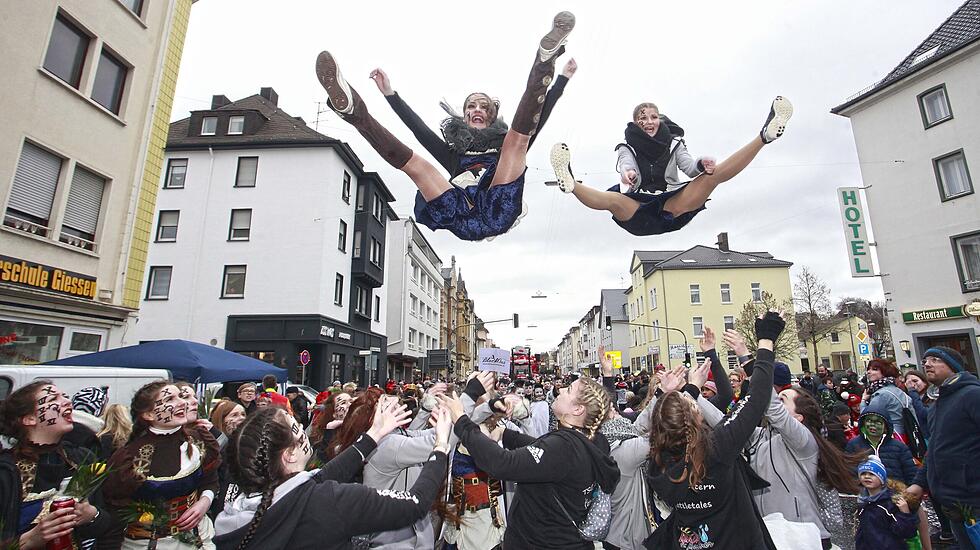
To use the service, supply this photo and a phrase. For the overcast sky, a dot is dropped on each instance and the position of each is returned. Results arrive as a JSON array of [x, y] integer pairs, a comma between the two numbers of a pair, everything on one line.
[[713, 67]]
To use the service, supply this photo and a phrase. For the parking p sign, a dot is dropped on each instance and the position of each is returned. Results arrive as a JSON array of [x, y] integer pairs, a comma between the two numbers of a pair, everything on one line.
[[864, 349]]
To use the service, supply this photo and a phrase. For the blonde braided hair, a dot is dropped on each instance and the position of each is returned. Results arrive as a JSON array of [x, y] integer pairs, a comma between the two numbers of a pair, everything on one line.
[[596, 402]]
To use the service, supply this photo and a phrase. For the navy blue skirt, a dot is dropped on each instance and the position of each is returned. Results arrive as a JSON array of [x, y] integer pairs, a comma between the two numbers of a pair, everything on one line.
[[476, 212], [651, 218]]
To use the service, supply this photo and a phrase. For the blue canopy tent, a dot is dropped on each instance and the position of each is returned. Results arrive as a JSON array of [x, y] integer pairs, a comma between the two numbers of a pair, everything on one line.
[[185, 360]]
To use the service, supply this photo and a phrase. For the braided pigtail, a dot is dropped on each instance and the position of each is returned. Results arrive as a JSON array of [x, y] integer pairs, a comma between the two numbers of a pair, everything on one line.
[[253, 453], [681, 436], [597, 404]]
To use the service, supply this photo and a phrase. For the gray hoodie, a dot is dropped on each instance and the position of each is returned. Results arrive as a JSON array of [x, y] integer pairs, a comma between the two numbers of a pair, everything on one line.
[[680, 159]]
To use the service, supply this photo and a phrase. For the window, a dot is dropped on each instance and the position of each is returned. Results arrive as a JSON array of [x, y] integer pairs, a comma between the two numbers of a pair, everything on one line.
[[375, 252], [233, 282], [82, 210], [241, 224], [360, 300], [653, 298], [415, 272], [236, 125], [729, 322], [411, 335], [641, 303], [726, 293], [360, 197], [345, 193], [159, 286], [934, 106], [756, 292], [695, 294], [966, 249], [336, 364], [377, 308], [342, 237], [32, 193], [85, 342], [209, 125], [378, 207], [656, 330], [338, 290], [167, 226], [835, 337], [66, 51], [135, 6], [415, 305], [110, 81], [247, 166], [953, 175], [357, 244], [176, 171], [732, 358], [698, 327]]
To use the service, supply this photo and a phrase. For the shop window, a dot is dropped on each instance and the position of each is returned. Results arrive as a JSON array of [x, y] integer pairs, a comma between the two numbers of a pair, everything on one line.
[[336, 365], [85, 342], [28, 343], [966, 250], [233, 282], [236, 125], [240, 227], [934, 106], [33, 190], [247, 168], [67, 49], [953, 175], [110, 81], [158, 287], [167, 226], [176, 171], [209, 125]]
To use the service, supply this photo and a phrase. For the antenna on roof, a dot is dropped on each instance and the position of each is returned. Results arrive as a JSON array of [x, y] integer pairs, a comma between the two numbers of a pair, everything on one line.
[[321, 107]]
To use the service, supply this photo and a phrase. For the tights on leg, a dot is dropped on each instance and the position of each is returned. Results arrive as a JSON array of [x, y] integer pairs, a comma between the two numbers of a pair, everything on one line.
[[620, 206], [429, 181], [696, 193], [513, 158]]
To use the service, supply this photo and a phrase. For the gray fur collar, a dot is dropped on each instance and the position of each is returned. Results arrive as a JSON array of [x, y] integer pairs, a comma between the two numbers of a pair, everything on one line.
[[464, 139]]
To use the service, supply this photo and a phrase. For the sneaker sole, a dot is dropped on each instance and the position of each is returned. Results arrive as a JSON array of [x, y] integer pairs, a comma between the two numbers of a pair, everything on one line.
[[561, 161], [328, 73], [561, 27], [782, 111]]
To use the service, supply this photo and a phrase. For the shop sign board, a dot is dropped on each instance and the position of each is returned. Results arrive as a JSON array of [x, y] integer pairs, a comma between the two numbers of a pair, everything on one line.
[[617, 358], [855, 231], [938, 314], [44, 277], [677, 351], [972, 309]]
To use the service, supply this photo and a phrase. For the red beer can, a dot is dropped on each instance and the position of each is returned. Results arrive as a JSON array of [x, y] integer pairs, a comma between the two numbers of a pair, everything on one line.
[[63, 542]]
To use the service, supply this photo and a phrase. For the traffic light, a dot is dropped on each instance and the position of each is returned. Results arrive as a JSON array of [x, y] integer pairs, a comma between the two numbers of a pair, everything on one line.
[[608, 322], [516, 321]]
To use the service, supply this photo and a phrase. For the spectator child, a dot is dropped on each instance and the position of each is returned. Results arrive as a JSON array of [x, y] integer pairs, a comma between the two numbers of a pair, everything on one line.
[[884, 521]]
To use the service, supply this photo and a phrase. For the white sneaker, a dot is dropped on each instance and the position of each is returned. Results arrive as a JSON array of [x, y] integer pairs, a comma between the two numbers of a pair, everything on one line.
[[328, 72], [560, 161], [779, 114], [561, 27]]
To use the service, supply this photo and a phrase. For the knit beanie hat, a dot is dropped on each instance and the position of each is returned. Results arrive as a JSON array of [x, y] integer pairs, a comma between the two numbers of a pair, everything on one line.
[[949, 356], [874, 465], [780, 375], [91, 400], [841, 408], [711, 386]]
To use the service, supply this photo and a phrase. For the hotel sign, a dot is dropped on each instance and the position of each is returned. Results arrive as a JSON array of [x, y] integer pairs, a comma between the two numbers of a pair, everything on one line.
[[855, 231], [939, 314], [44, 277]]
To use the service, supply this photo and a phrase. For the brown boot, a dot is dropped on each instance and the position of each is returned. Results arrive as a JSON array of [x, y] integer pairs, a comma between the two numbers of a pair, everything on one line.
[[347, 103], [528, 111]]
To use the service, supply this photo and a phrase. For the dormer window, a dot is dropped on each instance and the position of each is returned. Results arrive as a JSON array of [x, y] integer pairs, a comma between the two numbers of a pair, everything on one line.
[[209, 125], [236, 124]]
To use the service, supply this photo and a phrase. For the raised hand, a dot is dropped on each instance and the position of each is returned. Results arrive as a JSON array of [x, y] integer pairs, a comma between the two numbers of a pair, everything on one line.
[[388, 415], [381, 80], [570, 68], [487, 379], [768, 327], [699, 375], [451, 403], [443, 424], [707, 341], [605, 362], [735, 341], [674, 379]]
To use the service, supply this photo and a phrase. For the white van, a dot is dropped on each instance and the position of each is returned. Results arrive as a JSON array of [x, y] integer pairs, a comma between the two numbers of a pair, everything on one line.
[[122, 382]]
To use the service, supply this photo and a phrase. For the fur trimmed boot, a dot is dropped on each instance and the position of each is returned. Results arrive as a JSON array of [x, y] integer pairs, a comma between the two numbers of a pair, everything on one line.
[[347, 103], [528, 111]]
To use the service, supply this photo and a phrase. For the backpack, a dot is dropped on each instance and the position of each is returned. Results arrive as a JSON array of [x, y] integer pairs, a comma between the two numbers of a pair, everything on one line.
[[598, 515]]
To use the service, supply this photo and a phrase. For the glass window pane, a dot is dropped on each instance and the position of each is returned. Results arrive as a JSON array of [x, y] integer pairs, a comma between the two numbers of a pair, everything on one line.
[[136, 6], [209, 126], [110, 79], [28, 344], [952, 172], [159, 287], [968, 249], [66, 51], [247, 167], [936, 106], [167, 227], [176, 171], [236, 124], [83, 341], [234, 284]]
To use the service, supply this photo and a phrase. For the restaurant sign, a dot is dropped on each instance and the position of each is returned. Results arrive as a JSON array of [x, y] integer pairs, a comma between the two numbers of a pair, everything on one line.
[[939, 314], [43, 277]]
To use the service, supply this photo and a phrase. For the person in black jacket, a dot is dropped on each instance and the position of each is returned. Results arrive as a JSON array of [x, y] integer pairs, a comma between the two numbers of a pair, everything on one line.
[[696, 471], [495, 203], [38, 415], [277, 504], [555, 473]]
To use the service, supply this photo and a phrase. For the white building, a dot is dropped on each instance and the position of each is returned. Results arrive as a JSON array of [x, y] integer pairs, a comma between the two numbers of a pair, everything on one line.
[[414, 289], [613, 305], [269, 240], [589, 335], [917, 133], [87, 91]]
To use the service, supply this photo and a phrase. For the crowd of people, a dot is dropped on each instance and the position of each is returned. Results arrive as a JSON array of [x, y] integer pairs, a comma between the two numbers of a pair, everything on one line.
[[674, 459]]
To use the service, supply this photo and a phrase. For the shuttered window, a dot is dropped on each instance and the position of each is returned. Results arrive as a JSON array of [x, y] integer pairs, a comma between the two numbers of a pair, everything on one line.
[[35, 184], [84, 204]]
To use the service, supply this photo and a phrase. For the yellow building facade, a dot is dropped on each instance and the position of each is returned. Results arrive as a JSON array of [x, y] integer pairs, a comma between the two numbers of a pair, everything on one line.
[[841, 346], [688, 290]]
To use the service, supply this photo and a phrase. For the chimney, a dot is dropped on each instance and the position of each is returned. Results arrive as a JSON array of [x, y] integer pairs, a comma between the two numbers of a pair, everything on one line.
[[219, 101], [270, 95], [723, 242]]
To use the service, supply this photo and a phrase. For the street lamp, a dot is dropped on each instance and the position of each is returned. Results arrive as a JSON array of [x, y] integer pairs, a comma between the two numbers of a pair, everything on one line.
[[906, 347], [687, 352]]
